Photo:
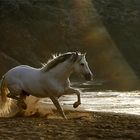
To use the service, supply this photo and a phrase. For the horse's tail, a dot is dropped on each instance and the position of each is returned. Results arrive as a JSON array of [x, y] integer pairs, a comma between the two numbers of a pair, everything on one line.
[[8, 107]]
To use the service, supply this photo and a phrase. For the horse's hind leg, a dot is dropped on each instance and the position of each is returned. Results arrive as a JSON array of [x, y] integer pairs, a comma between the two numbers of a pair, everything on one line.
[[18, 95], [14, 91], [20, 101], [11, 95]]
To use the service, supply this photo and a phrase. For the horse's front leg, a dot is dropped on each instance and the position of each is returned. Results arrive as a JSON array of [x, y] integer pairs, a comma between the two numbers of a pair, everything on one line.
[[70, 91], [58, 106]]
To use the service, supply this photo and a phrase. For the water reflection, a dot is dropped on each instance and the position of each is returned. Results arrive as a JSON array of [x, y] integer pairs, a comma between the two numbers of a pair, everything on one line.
[[103, 101]]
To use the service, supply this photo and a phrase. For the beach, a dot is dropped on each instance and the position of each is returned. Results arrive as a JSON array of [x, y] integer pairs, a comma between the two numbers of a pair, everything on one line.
[[106, 33], [81, 125], [41, 120]]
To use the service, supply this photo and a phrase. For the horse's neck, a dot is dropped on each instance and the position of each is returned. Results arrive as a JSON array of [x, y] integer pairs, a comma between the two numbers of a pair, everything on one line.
[[63, 71]]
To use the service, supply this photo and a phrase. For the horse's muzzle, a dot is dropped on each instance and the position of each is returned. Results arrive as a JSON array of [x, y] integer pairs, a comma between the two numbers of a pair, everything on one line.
[[88, 76]]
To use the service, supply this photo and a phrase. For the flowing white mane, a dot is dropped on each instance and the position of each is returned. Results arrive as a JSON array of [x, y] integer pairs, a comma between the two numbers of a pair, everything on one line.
[[55, 60]]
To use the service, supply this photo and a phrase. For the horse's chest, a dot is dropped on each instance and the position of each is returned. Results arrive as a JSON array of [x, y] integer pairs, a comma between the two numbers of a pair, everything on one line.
[[59, 87]]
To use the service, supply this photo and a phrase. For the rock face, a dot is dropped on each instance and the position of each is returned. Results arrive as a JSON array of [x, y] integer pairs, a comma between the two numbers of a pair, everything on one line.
[[122, 20], [33, 29]]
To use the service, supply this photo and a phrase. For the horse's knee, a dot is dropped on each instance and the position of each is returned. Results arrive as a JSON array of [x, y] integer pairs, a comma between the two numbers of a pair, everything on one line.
[[11, 95]]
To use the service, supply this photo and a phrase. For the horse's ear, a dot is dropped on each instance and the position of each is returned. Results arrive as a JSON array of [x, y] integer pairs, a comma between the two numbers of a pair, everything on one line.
[[74, 57], [85, 54]]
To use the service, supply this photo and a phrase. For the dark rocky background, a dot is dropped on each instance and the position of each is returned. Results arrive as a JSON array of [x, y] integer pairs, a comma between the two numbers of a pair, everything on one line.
[[122, 20], [31, 30]]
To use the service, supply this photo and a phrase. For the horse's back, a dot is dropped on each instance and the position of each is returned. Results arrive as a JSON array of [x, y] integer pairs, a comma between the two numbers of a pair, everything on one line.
[[21, 70], [20, 73]]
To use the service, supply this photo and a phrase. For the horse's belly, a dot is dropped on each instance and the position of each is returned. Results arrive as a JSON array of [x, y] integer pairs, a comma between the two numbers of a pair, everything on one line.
[[35, 90], [42, 95]]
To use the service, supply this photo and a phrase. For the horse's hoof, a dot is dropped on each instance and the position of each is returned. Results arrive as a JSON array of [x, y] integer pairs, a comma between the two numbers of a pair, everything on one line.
[[76, 104], [65, 118]]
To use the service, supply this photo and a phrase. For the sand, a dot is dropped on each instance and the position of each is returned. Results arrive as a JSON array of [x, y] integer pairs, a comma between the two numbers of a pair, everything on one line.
[[43, 122], [80, 125]]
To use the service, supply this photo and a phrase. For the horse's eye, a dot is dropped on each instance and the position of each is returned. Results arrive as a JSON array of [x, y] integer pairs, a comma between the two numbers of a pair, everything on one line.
[[82, 64]]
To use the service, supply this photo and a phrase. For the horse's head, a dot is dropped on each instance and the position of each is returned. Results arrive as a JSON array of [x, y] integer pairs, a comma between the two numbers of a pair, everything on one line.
[[81, 66]]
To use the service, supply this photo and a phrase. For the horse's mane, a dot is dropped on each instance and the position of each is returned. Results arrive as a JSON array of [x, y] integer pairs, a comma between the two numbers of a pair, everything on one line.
[[57, 59]]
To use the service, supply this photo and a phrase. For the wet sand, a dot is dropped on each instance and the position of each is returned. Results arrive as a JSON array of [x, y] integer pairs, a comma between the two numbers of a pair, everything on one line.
[[79, 126]]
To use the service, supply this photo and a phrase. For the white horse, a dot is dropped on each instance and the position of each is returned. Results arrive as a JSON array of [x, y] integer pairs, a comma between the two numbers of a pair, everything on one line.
[[52, 80]]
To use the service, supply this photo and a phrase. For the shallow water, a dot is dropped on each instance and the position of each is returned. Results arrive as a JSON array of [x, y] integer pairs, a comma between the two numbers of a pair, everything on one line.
[[103, 101]]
